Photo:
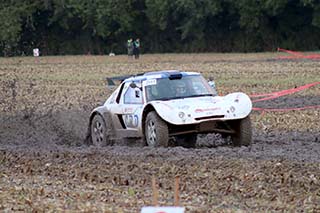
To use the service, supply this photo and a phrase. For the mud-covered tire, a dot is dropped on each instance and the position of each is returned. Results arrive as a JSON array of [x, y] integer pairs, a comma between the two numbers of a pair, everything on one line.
[[99, 131], [156, 131], [243, 132], [187, 141]]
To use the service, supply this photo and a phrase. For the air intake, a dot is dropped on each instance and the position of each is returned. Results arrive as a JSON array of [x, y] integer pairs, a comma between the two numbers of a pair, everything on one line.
[[209, 117]]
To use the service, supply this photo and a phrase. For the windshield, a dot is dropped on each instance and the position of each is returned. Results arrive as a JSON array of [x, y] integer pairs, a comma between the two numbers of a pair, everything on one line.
[[187, 86]]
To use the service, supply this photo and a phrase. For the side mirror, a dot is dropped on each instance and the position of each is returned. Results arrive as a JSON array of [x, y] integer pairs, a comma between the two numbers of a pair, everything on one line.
[[133, 85], [136, 85], [213, 86]]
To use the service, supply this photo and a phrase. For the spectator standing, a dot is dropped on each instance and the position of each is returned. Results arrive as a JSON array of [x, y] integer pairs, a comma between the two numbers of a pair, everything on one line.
[[136, 48], [130, 47]]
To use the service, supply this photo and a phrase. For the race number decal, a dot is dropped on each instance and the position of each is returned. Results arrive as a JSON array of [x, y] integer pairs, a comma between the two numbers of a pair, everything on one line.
[[131, 120], [151, 82]]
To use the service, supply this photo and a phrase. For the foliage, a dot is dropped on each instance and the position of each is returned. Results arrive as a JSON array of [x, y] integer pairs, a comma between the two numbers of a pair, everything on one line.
[[101, 26]]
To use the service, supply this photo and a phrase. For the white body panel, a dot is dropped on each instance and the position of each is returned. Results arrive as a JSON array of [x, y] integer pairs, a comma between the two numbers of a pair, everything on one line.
[[233, 106]]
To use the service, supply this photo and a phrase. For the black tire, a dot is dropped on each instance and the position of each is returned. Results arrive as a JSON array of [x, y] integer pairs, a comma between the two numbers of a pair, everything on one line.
[[187, 141], [99, 132], [243, 129], [156, 131]]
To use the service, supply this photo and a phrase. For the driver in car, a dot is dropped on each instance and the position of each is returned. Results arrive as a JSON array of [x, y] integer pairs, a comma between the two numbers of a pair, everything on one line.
[[181, 89]]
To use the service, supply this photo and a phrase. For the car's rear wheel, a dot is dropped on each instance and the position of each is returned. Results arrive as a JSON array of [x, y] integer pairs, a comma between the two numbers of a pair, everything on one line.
[[98, 129], [243, 132], [187, 141], [156, 131]]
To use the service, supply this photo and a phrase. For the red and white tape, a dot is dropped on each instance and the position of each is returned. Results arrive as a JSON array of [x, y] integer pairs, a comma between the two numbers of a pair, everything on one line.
[[297, 55], [277, 94], [273, 95]]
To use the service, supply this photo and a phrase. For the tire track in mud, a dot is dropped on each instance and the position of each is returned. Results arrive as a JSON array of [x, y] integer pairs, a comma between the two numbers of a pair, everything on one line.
[[65, 131]]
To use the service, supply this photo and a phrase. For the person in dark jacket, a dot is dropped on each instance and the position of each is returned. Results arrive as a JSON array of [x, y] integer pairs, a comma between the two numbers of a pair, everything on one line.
[[136, 48]]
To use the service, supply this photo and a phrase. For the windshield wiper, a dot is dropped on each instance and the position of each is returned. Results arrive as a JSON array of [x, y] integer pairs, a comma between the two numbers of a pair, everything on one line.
[[198, 95], [165, 99], [180, 97]]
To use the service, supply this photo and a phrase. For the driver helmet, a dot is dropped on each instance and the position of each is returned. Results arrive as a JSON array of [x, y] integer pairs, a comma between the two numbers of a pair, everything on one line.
[[181, 88]]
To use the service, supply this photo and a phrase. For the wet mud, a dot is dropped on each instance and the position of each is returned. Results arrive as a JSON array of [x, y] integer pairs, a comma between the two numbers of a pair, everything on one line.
[[67, 130]]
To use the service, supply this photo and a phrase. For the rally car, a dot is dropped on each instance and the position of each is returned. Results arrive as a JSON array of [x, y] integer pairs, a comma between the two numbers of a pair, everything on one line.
[[171, 105]]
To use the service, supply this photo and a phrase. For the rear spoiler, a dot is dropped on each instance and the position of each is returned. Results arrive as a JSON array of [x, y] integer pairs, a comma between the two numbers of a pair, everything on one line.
[[114, 81]]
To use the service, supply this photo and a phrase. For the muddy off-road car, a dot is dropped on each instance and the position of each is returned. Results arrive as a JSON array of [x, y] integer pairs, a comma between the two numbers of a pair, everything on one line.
[[164, 106]]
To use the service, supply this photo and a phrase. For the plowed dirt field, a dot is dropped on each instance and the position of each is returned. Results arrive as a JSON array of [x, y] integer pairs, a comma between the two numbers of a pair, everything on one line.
[[45, 166]]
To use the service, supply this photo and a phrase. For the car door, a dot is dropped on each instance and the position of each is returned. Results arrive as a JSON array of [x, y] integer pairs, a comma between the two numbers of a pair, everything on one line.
[[128, 111]]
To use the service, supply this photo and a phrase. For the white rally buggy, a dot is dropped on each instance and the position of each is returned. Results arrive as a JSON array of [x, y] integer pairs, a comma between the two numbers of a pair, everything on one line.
[[163, 105]]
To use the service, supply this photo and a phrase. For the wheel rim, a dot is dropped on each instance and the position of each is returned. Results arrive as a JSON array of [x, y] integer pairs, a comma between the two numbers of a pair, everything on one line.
[[151, 133], [97, 132]]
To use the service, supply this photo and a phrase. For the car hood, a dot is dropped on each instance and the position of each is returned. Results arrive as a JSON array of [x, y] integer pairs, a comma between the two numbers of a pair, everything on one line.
[[197, 109]]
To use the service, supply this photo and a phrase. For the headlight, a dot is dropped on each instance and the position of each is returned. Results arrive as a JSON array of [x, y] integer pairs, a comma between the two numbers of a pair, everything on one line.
[[181, 114]]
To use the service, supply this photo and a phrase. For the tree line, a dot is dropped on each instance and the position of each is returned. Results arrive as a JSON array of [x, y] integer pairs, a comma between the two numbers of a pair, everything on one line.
[[101, 26]]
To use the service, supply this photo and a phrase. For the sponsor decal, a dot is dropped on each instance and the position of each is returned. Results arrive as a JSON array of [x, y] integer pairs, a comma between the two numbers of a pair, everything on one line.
[[128, 110], [214, 101], [185, 107], [207, 110], [238, 96]]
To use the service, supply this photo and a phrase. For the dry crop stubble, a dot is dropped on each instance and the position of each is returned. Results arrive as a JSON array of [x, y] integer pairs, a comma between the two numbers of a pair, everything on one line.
[[75, 85], [44, 112]]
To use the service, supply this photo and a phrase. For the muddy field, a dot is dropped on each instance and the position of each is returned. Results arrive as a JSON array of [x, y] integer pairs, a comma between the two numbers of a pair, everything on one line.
[[45, 166]]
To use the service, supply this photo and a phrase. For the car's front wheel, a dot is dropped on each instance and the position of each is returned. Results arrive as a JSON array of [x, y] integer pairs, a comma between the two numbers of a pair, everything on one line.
[[243, 132], [98, 130], [156, 131]]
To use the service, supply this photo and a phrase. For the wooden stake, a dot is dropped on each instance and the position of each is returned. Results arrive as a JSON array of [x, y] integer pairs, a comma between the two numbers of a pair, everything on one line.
[[155, 192], [176, 191]]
